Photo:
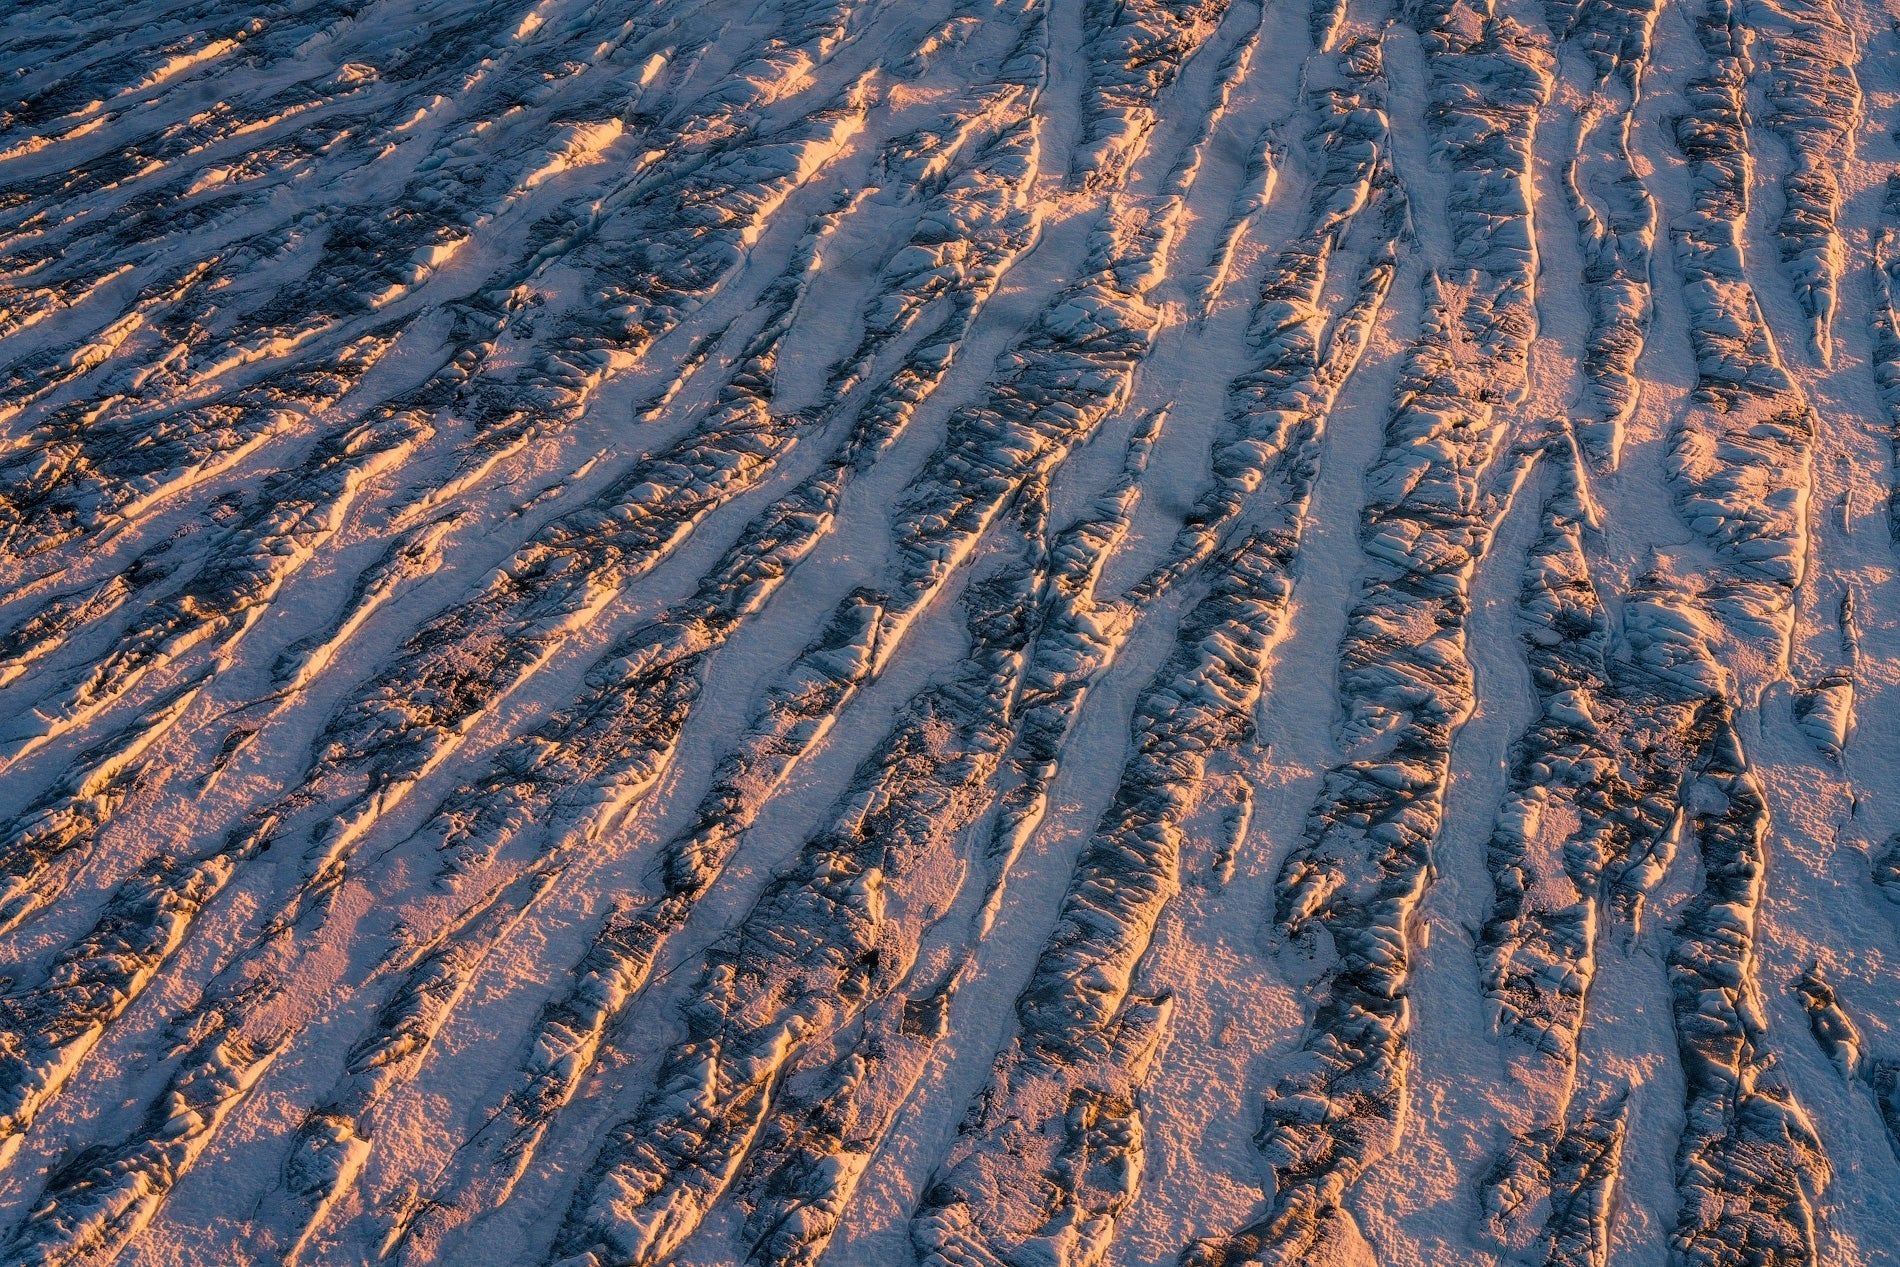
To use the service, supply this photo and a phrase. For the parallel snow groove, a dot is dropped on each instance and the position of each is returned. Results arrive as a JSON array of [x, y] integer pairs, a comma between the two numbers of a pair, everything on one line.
[[1136, 49], [1303, 354], [1616, 216], [1741, 457], [231, 588], [402, 722], [69, 815], [1071, 372], [1599, 787], [99, 1200], [837, 930], [1364, 861], [365, 761], [604, 752], [348, 276], [363, 265], [1750, 1168], [1050, 1155], [1814, 100], [330, 1147], [374, 761], [968, 237], [278, 532], [626, 628], [815, 1148], [55, 1023], [1065, 378]]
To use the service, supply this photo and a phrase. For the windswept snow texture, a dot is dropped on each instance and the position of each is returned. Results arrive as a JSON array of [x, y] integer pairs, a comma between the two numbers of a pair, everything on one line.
[[974, 633]]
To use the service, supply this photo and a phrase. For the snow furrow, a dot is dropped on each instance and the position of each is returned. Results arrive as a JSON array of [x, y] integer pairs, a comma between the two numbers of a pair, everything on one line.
[[998, 633], [1741, 455], [1136, 50], [101, 1198], [1354, 880], [835, 931]]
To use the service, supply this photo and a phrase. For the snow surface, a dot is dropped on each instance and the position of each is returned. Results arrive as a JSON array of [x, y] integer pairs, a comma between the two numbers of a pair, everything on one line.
[[971, 632]]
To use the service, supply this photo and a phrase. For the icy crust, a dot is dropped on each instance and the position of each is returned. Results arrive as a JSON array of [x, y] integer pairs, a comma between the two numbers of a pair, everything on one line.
[[1806, 55], [1825, 704], [604, 751], [97, 976], [1824, 710], [1834, 1031], [1885, 868], [840, 928], [275, 533], [1886, 332], [1135, 50], [1742, 456], [498, 56], [1616, 35], [1405, 682], [1615, 215], [1302, 353], [1750, 1168], [1050, 1154], [99, 1199]]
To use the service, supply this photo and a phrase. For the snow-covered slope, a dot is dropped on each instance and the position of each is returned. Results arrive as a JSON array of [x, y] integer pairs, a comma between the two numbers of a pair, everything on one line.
[[984, 633]]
